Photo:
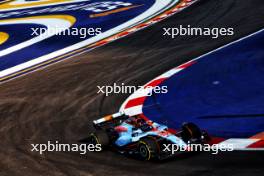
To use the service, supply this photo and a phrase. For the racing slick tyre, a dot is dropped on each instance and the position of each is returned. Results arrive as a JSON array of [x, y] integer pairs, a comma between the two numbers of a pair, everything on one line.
[[191, 131], [100, 137], [148, 148]]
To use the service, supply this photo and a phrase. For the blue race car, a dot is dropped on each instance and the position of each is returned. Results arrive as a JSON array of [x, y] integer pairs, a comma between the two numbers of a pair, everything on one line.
[[143, 138]]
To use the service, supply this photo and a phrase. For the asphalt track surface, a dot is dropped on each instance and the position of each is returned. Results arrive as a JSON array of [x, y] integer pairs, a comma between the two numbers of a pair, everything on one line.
[[59, 103]]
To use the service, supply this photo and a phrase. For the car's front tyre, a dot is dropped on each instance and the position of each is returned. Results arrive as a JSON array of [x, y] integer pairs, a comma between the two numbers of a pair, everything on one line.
[[191, 131]]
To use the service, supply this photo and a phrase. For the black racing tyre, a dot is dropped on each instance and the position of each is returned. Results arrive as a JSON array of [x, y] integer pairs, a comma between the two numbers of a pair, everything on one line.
[[100, 137], [148, 148], [191, 131]]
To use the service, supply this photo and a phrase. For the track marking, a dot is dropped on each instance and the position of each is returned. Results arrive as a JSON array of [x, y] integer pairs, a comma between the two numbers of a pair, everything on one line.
[[3, 37], [130, 108], [147, 18], [50, 21], [113, 11]]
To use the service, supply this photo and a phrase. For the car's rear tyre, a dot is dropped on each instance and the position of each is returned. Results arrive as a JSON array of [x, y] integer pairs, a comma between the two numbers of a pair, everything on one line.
[[148, 148], [191, 131], [100, 137]]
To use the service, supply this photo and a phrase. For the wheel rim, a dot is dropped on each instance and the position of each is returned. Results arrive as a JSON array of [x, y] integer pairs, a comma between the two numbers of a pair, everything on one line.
[[94, 139], [144, 152]]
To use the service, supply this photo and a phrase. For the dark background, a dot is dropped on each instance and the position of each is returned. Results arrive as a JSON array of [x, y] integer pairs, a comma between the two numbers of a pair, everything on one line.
[[59, 102]]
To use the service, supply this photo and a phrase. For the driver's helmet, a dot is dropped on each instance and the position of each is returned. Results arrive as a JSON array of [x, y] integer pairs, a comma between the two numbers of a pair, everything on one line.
[[140, 122], [136, 121]]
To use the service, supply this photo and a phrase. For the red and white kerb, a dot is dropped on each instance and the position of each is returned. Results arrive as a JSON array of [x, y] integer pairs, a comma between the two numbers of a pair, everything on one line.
[[134, 104]]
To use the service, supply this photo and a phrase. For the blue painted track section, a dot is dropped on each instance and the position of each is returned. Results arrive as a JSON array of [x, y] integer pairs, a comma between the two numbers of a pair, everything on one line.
[[223, 92], [58, 42]]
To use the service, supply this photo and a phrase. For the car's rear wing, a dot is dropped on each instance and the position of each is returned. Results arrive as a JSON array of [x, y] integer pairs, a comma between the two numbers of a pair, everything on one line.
[[108, 118]]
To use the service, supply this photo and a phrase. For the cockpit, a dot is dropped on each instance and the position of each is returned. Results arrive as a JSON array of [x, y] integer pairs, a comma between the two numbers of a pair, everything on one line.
[[139, 123]]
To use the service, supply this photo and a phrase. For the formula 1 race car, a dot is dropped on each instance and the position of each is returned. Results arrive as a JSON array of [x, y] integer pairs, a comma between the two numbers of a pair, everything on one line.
[[143, 138]]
